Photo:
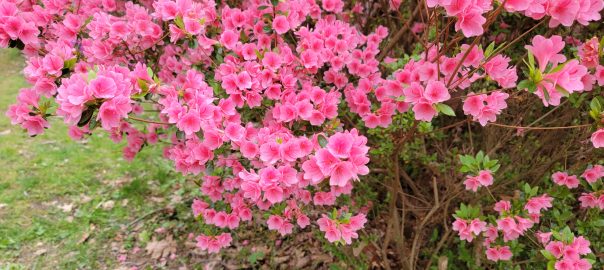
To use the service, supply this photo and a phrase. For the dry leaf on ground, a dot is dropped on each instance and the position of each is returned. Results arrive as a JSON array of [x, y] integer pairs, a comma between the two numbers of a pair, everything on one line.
[[162, 248]]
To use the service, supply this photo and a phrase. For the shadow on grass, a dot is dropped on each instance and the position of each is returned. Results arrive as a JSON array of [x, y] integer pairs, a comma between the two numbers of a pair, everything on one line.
[[61, 201]]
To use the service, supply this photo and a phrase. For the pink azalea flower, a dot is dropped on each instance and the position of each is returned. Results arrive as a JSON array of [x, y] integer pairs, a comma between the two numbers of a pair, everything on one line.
[[436, 92], [536, 204], [229, 39], [563, 179], [499, 253], [591, 175], [424, 111], [597, 138], [280, 24], [113, 110], [470, 22], [472, 183], [190, 122], [502, 206], [556, 248], [544, 237], [546, 50]]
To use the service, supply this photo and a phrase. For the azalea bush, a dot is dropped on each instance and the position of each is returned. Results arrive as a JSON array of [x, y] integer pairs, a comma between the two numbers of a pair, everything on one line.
[[288, 113]]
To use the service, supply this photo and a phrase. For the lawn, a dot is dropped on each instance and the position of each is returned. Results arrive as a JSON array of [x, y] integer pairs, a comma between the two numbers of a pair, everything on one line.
[[65, 204]]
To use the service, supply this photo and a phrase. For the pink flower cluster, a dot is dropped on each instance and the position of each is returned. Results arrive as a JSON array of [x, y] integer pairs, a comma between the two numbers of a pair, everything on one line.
[[498, 69], [277, 180], [568, 255], [469, 14], [511, 223], [18, 25], [499, 253], [563, 179], [213, 244], [593, 174], [26, 112], [559, 80], [513, 227], [468, 229], [425, 99], [589, 53], [485, 108], [534, 205], [283, 224], [592, 200], [562, 12], [342, 160], [483, 179], [341, 230]]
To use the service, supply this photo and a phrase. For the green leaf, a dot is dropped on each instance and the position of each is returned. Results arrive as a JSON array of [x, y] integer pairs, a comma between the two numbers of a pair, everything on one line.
[[548, 255], [86, 116], [498, 49], [144, 236], [267, 29], [531, 58], [275, 2], [473, 212], [480, 156], [551, 265], [69, 64], [489, 50], [559, 67], [322, 140], [254, 257], [92, 74], [528, 85], [567, 235], [495, 168], [263, 7], [445, 109], [334, 214], [143, 85], [562, 91], [595, 115], [526, 188], [93, 123], [192, 43], [546, 95], [595, 105], [259, 54], [180, 135], [179, 22], [597, 223], [466, 159]]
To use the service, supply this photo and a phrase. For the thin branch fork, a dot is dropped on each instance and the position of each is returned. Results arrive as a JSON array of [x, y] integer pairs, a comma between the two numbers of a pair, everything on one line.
[[397, 36]]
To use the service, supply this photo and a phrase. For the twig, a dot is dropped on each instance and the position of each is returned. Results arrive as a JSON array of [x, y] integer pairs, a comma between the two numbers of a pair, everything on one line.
[[495, 53], [475, 42], [397, 36], [146, 216], [148, 121], [539, 128], [414, 247]]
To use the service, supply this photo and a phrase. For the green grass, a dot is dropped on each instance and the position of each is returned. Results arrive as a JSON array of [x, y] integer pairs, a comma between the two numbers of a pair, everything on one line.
[[41, 174]]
